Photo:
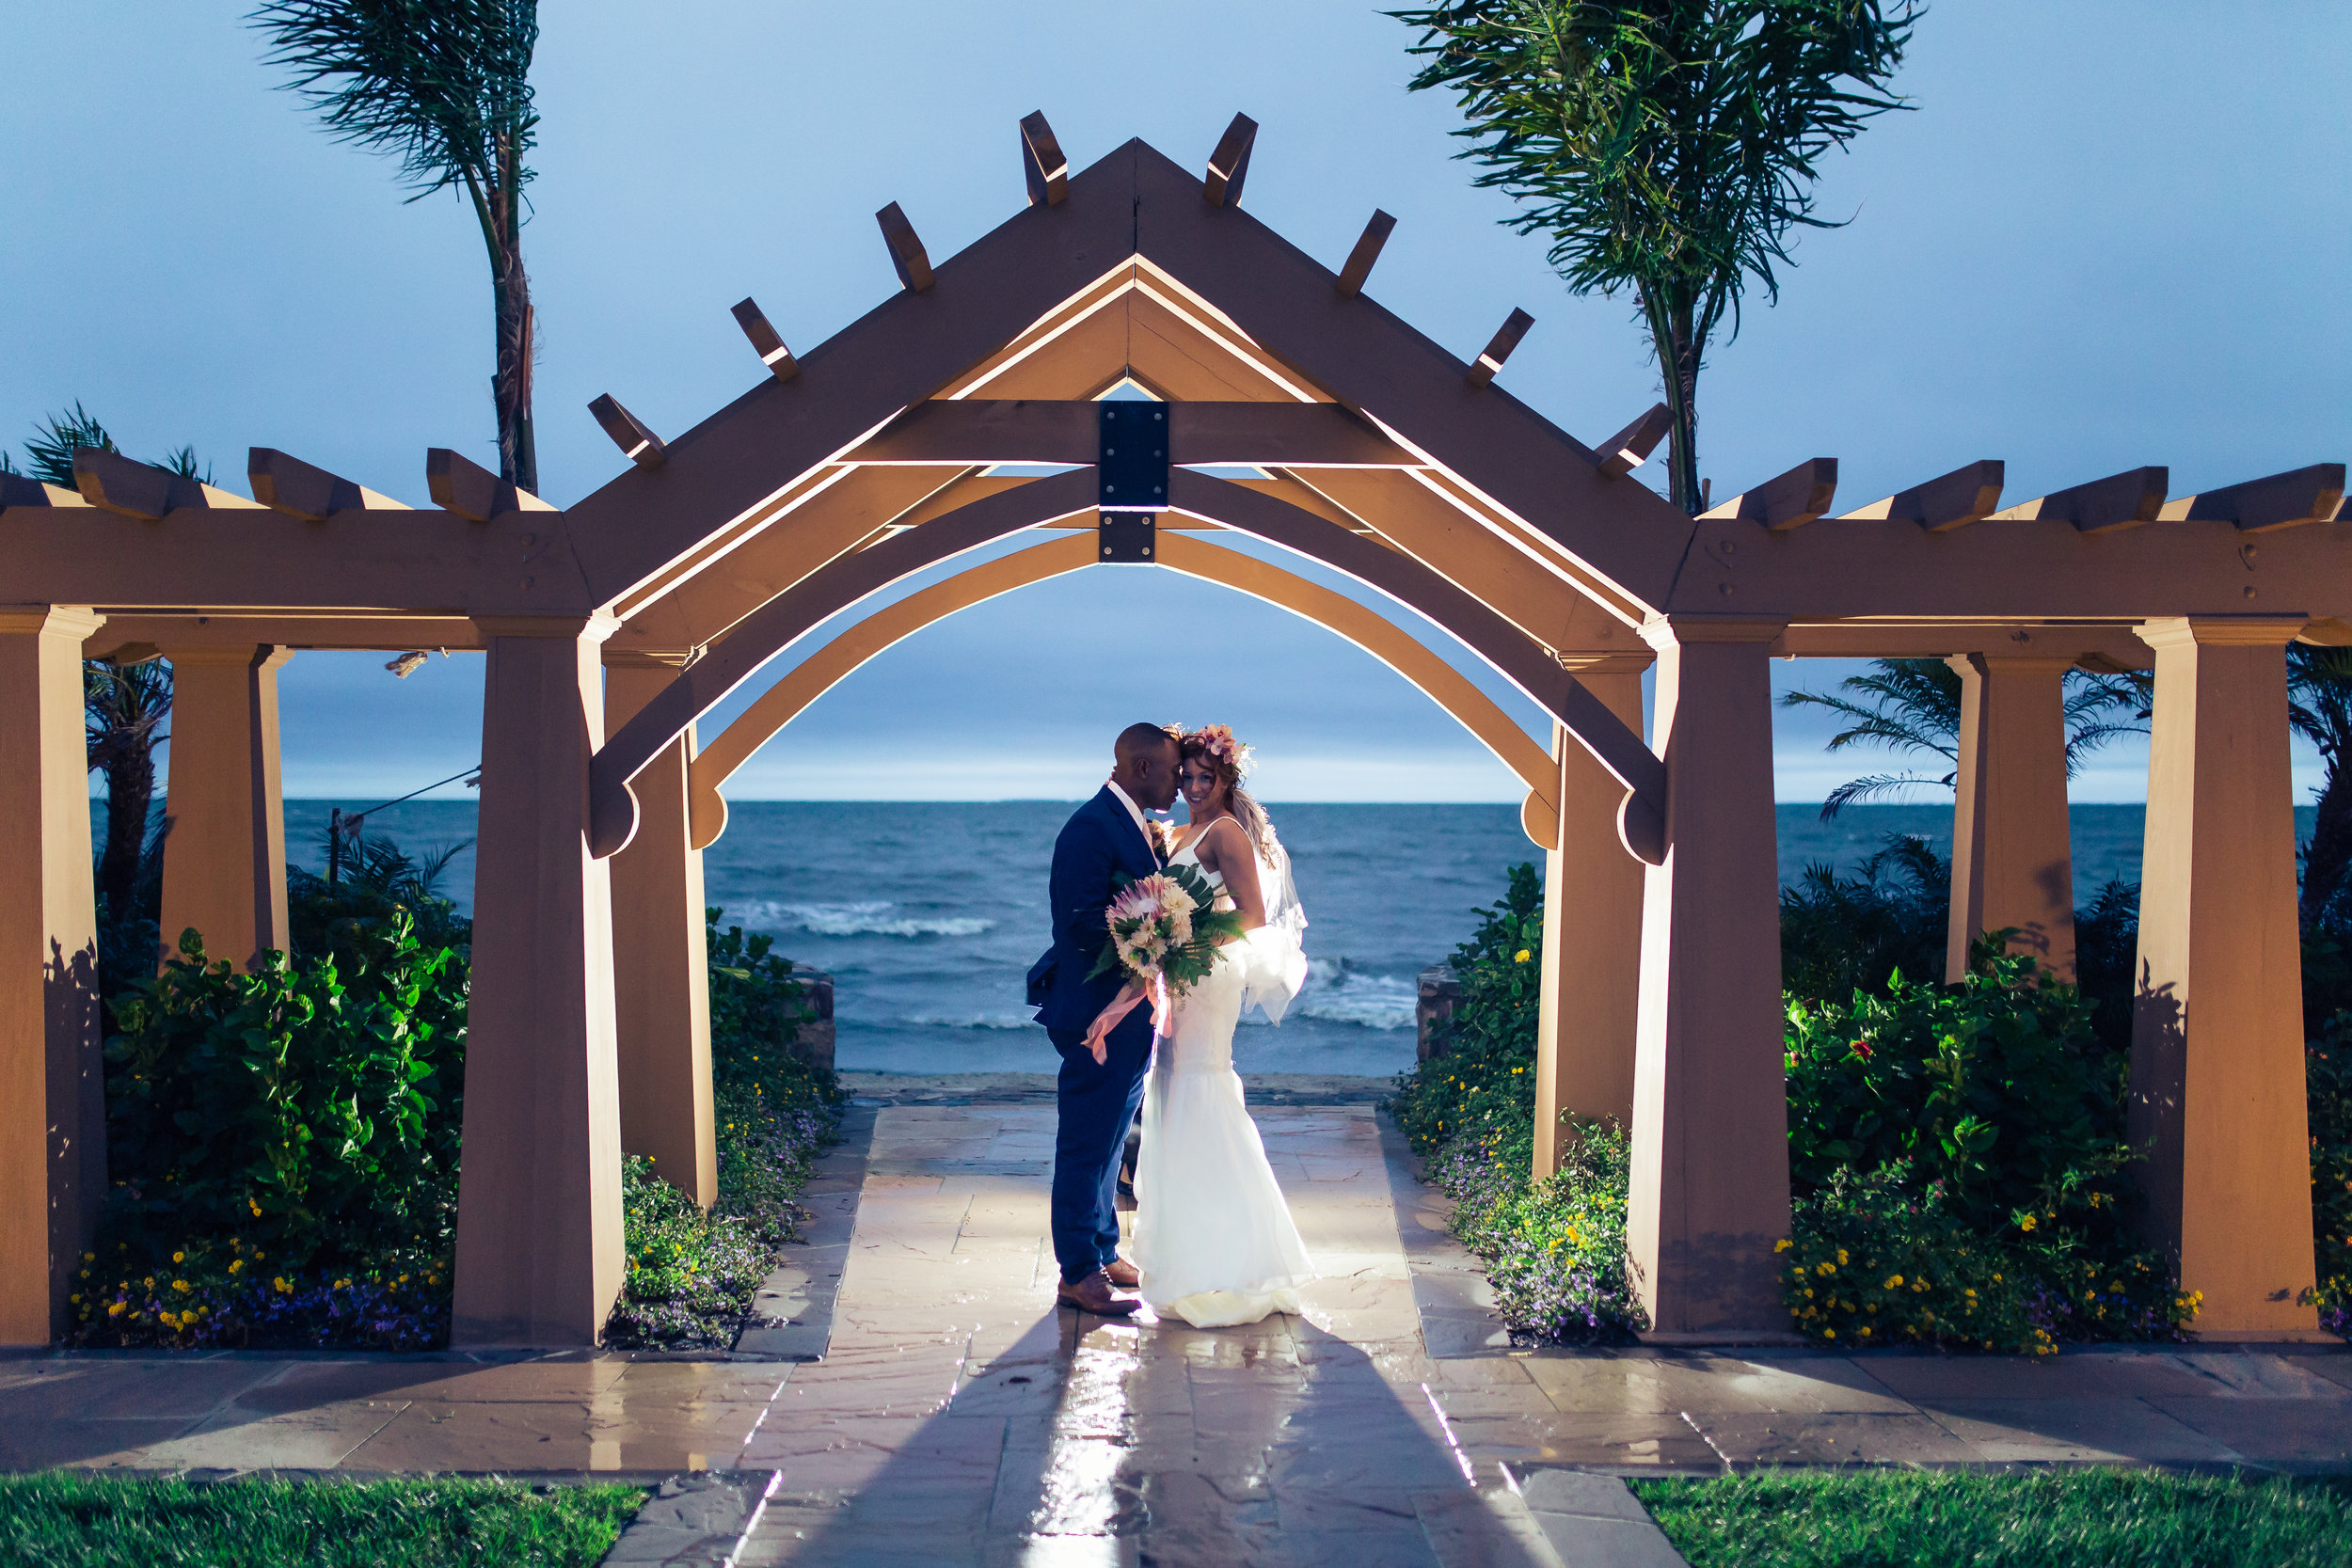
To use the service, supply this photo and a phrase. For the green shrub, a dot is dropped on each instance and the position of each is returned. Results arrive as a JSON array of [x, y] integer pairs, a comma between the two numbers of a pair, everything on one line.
[[282, 1146], [1555, 1249], [692, 1274], [2327, 1078], [1482, 1087], [1839, 935], [1992, 1088]]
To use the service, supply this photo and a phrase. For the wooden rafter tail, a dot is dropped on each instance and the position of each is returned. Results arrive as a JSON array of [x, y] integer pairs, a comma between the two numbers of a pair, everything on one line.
[[906, 256], [1785, 500], [1367, 252], [2127, 499], [118, 484], [460, 485], [1491, 357], [1228, 165], [638, 443], [1042, 165], [287, 484], [1966, 495], [1630, 447], [766, 340], [2289, 499]]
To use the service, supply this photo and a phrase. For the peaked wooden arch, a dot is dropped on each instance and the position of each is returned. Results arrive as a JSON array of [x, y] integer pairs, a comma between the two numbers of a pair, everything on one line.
[[827, 665]]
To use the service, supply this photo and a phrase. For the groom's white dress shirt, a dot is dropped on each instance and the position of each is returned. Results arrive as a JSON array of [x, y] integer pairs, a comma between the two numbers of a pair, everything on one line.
[[1136, 812]]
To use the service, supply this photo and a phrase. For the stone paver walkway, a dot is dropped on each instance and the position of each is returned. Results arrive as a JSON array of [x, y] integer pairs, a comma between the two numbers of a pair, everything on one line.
[[958, 1418]]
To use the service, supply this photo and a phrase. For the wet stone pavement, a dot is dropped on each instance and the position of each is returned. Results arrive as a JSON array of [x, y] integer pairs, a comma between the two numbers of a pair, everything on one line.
[[957, 1417]]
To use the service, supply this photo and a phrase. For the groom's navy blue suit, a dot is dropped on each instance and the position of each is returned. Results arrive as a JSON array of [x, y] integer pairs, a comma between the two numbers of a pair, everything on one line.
[[1097, 1100]]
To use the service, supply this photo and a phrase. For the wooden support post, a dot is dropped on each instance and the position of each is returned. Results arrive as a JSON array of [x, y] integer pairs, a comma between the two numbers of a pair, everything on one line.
[[1592, 935], [2012, 861], [225, 860], [53, 1110], [1710, 1121], [539, 1246], [2218, 1092], [663, 992]]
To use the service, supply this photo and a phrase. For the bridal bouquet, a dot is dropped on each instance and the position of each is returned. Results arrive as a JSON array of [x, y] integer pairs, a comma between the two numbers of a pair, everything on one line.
[[1164, 927]]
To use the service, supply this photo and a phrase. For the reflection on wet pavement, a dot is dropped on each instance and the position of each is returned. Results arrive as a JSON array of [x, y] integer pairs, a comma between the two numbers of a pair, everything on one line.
[[959, 1418]]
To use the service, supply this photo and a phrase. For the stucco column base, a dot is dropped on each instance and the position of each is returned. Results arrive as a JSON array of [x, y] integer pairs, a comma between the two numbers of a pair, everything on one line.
[[52, 1104], [225, 858], [539, 1245], [1592, 935], [2012, 857], [2217, 1089], [1710, 1103], [662, 991]]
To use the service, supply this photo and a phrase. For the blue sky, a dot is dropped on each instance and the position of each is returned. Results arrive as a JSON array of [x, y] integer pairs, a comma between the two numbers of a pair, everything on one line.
[[2111, 235]]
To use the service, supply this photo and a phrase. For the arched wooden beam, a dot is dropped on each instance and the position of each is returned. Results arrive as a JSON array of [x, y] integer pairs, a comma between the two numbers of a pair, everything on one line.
[[824, 669], [767, 631], [1641, 820], [760, 636], [1365, 627]]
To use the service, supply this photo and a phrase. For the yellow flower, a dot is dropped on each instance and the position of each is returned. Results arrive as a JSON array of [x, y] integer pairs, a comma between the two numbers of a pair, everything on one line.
[[114, 1309], [1841, 1256], [257, 1209], [179, 1257], [1783, 1244], [1829, 1333], [2025, 1223], [236, 1266], [179, 1284], [1520, 957], [1893, 1282]]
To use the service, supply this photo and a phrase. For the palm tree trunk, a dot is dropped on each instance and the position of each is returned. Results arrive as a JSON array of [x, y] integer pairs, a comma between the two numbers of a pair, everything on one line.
[[510, 387], [130, 795], [1674, 335]]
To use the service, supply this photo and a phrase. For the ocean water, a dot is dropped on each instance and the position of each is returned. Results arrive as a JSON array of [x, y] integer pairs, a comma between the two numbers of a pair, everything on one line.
[[929, 915]]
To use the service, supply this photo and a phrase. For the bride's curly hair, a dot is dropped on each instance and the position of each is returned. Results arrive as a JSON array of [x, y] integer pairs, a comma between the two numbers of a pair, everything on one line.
[[1231, 761]]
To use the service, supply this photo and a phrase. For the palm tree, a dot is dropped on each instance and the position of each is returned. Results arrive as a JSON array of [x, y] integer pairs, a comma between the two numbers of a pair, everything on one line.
[[2319, 706], [124, 707], [1913, 706], [1666, 146], [445, 86]]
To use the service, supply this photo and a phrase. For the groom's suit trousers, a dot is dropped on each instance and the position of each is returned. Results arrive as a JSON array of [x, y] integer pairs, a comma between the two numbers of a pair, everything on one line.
[[1097, 1104]]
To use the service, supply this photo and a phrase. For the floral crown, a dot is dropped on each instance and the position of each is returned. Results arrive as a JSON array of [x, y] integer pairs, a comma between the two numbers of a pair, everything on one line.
[[1218, 742]]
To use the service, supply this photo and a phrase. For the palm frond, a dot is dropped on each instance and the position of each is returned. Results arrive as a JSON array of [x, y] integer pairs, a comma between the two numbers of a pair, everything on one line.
[[444, 85], [54, 440], [1855, 792]]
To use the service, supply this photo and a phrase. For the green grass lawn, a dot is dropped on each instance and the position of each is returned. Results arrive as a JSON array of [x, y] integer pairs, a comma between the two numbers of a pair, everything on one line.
[[2053, 1519], [66, 1520]]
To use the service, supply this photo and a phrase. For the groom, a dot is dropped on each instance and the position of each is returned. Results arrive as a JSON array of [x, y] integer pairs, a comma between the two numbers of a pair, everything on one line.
[[1106, 836]]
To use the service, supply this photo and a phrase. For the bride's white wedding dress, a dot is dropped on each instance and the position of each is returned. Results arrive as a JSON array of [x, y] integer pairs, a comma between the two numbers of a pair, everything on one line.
[[1214, 1240]]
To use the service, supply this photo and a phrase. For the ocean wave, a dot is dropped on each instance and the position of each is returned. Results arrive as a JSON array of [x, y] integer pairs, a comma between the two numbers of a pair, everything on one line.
[[872, 919], [1371, 1000], [976, 1021]]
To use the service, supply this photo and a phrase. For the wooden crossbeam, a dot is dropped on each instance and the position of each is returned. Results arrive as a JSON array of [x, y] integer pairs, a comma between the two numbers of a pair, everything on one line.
[[1968, 494], [1785, 500], [1630, 447], [1359, 261], [988, 431], [1042, 165], [906, 256], [299, 489], [2126, 499], [1499, 348], [2289, 499], [459, 484], [766, 340], [1228, 165], [638, 443], [113, 482]]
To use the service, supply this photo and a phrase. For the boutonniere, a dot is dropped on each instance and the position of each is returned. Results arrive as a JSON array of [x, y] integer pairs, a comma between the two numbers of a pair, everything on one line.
[[1162, 834]]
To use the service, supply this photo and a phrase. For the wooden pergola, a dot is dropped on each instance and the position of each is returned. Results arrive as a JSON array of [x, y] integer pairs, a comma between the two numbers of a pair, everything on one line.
[[613, 626]]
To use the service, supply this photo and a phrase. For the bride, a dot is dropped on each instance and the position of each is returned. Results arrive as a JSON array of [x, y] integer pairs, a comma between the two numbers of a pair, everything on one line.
[[1214, 1242]]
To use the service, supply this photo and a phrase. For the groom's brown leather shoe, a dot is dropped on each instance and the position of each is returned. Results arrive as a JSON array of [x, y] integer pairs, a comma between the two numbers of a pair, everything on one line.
[[1094, 1294], [1122, 1273]]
